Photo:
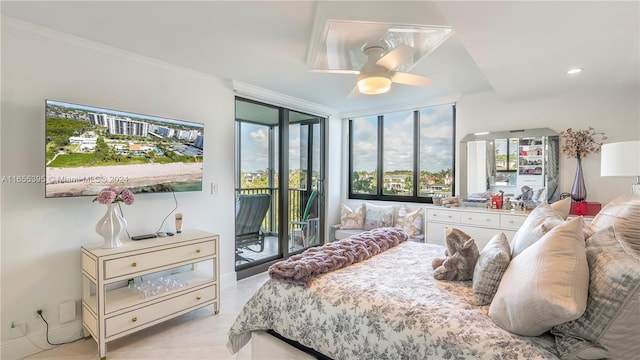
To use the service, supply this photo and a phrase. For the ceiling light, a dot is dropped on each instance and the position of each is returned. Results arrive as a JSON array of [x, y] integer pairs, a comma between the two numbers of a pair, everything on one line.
[[373, 85], [575, 71]]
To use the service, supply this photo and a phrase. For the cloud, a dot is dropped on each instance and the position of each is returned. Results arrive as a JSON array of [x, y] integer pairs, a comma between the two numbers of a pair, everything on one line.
[[254, 147], [436, 132]]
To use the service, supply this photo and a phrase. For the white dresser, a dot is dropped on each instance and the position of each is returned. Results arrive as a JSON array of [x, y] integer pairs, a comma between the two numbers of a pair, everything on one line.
[[184, 268], [480, 223]]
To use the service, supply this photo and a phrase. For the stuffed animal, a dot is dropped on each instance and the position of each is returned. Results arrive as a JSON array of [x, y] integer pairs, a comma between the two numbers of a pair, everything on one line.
[[460, 259]]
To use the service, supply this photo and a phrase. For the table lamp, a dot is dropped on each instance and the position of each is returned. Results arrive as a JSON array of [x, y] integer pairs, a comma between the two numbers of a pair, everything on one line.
[[622, 159]]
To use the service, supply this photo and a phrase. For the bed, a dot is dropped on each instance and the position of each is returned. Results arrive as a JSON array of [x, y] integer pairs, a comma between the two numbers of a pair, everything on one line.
[[386, 307], [570, 291]]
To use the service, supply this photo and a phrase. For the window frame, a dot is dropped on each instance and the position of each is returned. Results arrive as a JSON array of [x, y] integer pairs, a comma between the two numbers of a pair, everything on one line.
[[414, 197]]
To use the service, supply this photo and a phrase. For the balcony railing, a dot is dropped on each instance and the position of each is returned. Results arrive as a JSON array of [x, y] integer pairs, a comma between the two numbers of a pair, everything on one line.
[[296, 206]]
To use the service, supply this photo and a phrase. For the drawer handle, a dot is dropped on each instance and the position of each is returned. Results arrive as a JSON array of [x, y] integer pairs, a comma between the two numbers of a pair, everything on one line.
[[197, 251], [488, 219], [469, 218], [133, 264], [198, 297], [134, 319]]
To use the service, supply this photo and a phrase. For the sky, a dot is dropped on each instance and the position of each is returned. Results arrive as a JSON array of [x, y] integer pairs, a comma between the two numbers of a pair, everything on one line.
[[436, 133], [254, 142], [124, 113]]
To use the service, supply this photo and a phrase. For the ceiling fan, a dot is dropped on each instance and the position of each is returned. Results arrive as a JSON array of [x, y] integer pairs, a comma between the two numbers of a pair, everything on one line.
[[378, 73]]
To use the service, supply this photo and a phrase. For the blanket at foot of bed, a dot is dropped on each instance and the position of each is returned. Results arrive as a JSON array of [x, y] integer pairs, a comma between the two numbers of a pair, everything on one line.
[[302, 268]]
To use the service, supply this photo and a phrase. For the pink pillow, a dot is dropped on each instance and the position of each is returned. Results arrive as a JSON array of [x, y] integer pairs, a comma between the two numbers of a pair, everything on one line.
[[352, 219]]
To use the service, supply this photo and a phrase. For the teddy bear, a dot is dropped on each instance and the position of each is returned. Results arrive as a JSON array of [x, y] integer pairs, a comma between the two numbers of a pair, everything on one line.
[[460, 259]]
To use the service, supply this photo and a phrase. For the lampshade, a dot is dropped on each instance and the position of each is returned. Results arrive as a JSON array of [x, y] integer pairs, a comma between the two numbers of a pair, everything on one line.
[[621, 159], [372, 85]]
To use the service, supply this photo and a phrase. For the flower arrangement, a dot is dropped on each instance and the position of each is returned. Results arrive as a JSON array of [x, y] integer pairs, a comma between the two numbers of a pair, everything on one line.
[[111, 195], [580, 143]]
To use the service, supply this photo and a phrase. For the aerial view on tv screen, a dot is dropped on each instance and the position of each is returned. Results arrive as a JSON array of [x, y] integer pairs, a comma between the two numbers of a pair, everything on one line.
[[89, 148]]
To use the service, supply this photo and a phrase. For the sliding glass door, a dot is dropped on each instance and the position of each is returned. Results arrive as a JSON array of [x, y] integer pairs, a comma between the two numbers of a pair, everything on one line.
[[292, 220], [305, 181]]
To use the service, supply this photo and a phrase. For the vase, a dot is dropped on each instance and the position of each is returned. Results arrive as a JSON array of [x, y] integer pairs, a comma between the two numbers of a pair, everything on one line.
[[579, 190], [111, 227]]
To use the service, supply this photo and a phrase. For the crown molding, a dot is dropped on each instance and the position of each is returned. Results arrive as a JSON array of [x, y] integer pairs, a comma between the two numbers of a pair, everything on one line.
[[28, 30], [408, 106], [275, 98]]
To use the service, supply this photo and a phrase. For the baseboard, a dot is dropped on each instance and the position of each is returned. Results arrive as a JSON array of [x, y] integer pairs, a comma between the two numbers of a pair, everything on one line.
[[35, 341]]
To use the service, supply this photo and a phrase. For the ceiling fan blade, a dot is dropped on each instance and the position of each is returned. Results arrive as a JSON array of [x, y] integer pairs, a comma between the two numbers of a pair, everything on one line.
[[411, 79], [328, 71], [395, 57]]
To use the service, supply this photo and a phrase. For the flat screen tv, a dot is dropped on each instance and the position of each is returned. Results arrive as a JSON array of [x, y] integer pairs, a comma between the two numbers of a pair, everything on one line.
[[89, 148]]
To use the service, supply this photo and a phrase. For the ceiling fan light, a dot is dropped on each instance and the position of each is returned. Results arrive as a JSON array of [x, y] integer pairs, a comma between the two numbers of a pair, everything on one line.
[[374, 85]]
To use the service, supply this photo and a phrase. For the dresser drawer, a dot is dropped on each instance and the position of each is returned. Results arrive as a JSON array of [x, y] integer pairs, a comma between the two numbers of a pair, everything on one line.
[[481, 219], [89, 321], [89, 266], [512, 222], [145, 315], [147, 261], [443, 216]]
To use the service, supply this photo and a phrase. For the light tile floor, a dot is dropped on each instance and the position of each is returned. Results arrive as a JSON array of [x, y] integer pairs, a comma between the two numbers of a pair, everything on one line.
[[197, 335]]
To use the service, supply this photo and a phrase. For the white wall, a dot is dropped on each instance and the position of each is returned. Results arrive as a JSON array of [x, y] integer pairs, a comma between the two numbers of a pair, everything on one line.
[[615, 114], [41, 238]]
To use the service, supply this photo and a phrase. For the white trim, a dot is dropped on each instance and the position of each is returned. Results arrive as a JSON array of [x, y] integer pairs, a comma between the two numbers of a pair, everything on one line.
[[34, 342], [274, 98], [415, 105]]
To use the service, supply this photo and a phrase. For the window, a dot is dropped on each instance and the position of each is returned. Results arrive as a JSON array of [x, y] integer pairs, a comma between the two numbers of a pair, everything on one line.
[[389, 154]]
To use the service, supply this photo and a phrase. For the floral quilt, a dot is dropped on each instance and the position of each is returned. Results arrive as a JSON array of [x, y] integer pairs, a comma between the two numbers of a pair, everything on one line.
[[387, 307]]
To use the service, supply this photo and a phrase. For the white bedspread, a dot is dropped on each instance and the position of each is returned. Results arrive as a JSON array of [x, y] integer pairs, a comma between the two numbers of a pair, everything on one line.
[[387, 307]]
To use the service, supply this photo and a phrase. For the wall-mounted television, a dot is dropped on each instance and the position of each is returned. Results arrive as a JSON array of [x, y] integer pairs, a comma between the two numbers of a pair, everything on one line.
[[89, 148]]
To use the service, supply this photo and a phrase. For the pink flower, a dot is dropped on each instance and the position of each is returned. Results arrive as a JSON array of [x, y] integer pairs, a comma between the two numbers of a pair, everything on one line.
[[106, 196], [127, 196], [110, 195]]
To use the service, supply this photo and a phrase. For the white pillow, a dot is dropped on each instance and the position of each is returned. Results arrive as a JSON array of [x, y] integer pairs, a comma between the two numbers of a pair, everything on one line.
[[546, 285], [409, 222], [562, 207], [352, 219], [378, 216], [542, 219]]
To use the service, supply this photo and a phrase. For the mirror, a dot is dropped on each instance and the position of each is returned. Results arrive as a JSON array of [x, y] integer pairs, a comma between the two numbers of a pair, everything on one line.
[[508, 161]]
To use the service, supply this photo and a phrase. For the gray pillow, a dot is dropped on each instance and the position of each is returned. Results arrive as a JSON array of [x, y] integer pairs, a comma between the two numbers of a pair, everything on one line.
[[491, 265], [624, 213], [609, 327]]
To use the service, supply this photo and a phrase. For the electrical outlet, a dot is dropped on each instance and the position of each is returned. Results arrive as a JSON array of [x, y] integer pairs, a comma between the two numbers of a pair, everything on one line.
[[35, 312]]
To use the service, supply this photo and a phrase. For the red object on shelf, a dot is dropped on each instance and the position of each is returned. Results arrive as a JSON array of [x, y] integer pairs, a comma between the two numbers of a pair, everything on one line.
[[585, 208], [496, 201]]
